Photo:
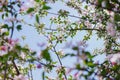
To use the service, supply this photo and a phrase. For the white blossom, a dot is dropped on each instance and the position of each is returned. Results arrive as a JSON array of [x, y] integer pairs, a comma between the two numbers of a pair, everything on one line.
[[103, 3], [88, 24], [22, 55]]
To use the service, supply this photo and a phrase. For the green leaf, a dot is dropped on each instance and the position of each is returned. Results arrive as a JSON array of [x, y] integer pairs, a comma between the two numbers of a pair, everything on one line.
[[70, 77], [71, 55], [5, 26], [117, 17], [86, 7], [43, 75], [103, 72], [30, 10], [6, 33], [37, 18], [88, 54], [78, 66], [75, 48], [45, 7], [19, 27], [33, 53], [37, 0], [90, 64], [118, 28], [2, 16], [6, 14], [46, 55]]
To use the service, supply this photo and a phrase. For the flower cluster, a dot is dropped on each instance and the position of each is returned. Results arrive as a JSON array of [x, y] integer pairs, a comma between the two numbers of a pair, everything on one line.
[[8, 46], [27, 4], [93, 16], [111, 29], [20, 77]]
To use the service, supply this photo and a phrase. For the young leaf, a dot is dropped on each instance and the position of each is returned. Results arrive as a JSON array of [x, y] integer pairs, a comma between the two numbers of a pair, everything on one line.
[[30, 10], [45, 7], [46, 55], [37, 18]]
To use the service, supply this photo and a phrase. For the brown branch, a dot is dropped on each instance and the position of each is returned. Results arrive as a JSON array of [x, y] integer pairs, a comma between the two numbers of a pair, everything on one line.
[[91, 29], [59, 60], [68, 15], [14, 64]]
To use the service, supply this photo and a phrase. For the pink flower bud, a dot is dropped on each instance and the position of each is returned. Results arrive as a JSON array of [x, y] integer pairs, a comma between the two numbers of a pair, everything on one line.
[[3, 48], [39, 66], [114, 63]]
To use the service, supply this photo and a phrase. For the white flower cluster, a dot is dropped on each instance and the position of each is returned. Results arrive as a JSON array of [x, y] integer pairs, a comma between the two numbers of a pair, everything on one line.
[[20, 77]]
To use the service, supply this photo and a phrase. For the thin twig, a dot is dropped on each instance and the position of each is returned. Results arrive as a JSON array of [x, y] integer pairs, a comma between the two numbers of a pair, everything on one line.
[[31, 72], [28, 75], [68, 15], [57, 56], [12, 29], [14, 64], [91, 29], [60, 61]]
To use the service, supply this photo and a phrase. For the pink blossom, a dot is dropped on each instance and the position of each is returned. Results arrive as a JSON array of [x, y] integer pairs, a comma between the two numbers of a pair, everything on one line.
[[12, 42], [110, 29], [20, 77], [10, 19], [82, 43], [114, 58], [69, 70], [76, 75], [3, 48], [28, 4]]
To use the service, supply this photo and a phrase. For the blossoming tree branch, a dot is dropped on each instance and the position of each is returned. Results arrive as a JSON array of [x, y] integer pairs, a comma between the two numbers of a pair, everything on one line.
[[94, 17]]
